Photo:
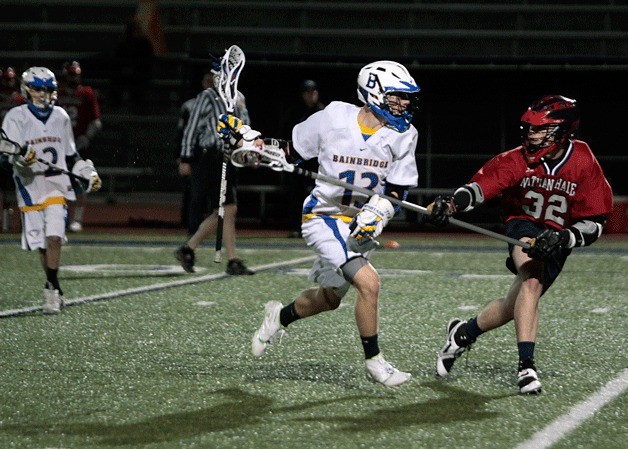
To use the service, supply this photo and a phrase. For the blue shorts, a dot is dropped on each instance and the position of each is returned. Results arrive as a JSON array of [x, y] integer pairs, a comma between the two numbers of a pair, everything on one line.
[[517, 229]]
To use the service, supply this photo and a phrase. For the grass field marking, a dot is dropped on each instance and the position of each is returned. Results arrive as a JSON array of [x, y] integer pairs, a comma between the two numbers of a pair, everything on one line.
[[153, 287], [577, 414]]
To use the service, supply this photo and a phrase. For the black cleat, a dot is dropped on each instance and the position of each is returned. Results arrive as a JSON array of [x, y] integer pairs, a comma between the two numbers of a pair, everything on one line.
[[185, 255], [456, 344], [235, 267]]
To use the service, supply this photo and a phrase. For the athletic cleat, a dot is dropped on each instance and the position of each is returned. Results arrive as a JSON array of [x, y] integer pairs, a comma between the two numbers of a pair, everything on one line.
[[75, 226], [457, 343], [383, 372], [270, 329], [185, 255], [236, 267], [52, 300], [527, 379]]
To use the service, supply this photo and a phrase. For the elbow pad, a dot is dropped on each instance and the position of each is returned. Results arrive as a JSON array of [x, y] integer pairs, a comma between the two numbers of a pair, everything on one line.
[[468, 197]]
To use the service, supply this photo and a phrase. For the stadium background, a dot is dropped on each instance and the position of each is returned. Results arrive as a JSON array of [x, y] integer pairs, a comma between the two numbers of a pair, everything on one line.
[[479, 65]]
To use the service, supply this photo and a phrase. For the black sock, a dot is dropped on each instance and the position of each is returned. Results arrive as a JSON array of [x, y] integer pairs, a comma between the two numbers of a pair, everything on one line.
[[472, 328], [51, 276], [526, 350], [370, 345], [288, 315]]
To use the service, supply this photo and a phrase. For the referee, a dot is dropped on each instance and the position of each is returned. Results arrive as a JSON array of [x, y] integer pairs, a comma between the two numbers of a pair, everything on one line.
[[201, 159]]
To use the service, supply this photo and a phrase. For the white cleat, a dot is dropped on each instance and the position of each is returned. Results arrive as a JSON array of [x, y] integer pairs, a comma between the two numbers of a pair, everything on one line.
[[383, 372], [53, 302], [528, 381], [270, 329], [75, 226]]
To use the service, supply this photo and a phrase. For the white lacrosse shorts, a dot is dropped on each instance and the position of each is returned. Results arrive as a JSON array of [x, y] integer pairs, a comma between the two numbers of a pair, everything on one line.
[[39, 224], [327, 237]]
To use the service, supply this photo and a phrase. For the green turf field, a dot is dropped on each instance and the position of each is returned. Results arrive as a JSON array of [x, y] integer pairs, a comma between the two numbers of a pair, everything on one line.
[[170, 367]]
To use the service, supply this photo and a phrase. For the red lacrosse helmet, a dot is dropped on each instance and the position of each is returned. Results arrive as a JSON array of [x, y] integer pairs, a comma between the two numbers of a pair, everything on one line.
[[8, 77], [555, 116], [71, 69]]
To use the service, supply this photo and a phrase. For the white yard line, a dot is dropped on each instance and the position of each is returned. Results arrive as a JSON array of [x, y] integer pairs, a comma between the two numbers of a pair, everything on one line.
[[577, 414], [153, 287]]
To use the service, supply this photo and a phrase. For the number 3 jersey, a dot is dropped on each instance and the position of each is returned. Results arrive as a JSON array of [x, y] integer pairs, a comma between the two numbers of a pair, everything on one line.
[[556, 196], [333, 135], [37, 185]]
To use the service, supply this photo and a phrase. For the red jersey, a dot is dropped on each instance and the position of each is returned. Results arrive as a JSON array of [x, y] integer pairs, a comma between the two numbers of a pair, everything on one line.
[[9, 98], [556, 195], [81, 105]]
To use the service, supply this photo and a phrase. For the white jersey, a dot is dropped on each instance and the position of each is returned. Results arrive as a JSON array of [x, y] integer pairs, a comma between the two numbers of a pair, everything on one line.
[[53, 141], [334, 136]]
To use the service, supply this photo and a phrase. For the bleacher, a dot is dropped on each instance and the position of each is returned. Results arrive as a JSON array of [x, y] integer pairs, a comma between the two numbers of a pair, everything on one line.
[[474, 59]]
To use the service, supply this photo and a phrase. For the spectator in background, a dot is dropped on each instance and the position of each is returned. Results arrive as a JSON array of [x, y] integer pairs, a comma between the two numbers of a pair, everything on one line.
[[9, 91], [133, 67], [148, 16], [81, 104], [299, 186], [9, 98], [207, 81]]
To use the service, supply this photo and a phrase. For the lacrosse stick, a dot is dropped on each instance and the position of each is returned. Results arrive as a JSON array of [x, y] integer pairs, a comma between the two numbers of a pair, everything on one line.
[[8, 146], [273, 157], [231, 66]]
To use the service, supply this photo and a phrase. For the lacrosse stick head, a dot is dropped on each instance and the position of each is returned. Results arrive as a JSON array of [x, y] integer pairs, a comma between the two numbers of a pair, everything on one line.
[[8, 146], [226, 82], [266, 155]]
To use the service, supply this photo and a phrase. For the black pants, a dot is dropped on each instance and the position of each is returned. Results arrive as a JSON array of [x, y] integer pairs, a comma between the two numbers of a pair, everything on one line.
[[205, 187]]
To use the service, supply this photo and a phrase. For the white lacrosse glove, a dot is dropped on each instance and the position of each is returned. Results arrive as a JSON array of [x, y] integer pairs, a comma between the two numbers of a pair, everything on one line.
[[26, 160], [369, 223], [23, 170], [231, 130], [85, 169]]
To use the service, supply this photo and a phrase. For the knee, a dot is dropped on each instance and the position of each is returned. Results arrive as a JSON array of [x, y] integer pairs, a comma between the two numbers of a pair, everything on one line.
[[54, 240], [368, 287], [532, 287]]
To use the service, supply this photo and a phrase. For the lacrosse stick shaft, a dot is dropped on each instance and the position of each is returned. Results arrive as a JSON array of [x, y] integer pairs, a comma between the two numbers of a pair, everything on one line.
[[221, 209], [409, 206], [50, 165]]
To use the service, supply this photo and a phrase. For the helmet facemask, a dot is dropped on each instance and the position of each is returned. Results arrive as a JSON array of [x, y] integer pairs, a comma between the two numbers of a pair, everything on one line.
[[43, 102], [539, 141]]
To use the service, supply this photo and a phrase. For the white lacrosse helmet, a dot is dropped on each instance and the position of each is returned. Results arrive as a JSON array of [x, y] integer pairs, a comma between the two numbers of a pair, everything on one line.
[[379, 79], [38, 79]]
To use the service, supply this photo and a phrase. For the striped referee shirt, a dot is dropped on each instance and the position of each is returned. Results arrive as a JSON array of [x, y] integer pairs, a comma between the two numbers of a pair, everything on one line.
[[200, 130]]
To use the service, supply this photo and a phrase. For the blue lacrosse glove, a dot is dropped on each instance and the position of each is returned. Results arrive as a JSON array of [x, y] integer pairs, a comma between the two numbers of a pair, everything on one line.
[[232, 130]]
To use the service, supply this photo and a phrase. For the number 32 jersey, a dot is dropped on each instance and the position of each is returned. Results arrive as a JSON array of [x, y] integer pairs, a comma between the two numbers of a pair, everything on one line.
[[555, 196], [334, 137]]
